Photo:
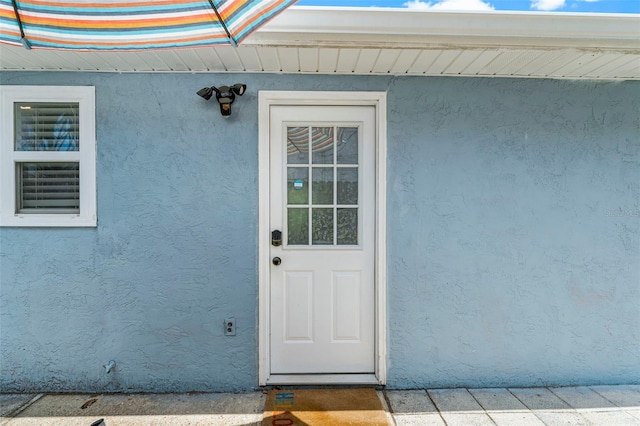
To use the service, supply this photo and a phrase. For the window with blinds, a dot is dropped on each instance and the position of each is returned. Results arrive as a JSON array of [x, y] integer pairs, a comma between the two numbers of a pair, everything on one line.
[[47, 156], [47, 187], [46, 126]]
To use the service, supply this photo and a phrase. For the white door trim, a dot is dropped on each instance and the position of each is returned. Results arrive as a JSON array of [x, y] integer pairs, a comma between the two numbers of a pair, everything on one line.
[[265, 100]]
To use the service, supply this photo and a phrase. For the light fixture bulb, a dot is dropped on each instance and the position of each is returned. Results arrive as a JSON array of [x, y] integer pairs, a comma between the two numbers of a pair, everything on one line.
[[206, 93], [239, 89]]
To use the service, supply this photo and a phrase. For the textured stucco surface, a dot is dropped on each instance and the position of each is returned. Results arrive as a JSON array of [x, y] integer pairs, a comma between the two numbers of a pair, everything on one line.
[[513, 238]]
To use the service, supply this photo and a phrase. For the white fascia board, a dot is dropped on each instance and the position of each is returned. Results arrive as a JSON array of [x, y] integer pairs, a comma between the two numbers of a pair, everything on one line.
[[390, 27]]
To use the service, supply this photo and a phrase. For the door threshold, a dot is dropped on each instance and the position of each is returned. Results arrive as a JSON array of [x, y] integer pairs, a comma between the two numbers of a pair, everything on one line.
[[323, 379]]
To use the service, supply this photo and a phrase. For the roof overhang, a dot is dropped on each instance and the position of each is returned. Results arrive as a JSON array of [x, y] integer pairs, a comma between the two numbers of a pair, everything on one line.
[[387, 27], [321, 40]]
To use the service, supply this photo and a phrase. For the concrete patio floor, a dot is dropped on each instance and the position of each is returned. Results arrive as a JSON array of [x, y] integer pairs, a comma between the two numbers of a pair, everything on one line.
[[592, 405]]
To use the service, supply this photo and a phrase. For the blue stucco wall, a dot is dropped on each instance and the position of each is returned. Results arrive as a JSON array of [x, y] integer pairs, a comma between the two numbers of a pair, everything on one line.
[[513, 238]]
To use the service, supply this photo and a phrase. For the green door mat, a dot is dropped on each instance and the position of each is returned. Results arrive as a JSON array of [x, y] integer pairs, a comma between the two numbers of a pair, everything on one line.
[[333, 407]]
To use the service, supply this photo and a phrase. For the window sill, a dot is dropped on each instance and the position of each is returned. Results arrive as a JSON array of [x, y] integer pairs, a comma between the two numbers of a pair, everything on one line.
[[45, 220]]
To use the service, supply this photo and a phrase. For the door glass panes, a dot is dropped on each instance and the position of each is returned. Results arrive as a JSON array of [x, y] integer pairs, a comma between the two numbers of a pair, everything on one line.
[[322, 226], [322, 145], [347, 145], [322, 188], [297, 185], [347, 185], [298, 225], [297, 145], [46, 126], [347, 226], [323, 185]]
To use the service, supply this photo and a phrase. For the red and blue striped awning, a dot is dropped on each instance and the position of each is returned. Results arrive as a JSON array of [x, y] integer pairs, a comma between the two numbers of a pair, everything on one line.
[[133, 24]]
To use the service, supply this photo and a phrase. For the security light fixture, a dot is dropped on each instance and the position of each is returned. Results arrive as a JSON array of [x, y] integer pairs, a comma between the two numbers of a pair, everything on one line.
[[225, 95]]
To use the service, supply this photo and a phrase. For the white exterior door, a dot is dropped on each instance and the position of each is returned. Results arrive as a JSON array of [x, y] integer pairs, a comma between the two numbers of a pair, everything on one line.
[[322, 166]]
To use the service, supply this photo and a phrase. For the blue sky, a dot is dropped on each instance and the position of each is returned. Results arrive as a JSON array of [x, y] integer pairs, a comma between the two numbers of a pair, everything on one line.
[[593, 6]]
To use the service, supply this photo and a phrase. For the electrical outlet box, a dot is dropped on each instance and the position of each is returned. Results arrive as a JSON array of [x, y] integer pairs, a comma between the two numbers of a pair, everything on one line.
[[230, 326]]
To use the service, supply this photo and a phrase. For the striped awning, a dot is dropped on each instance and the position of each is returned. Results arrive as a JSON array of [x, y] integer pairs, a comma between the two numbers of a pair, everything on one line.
[[132, 25]]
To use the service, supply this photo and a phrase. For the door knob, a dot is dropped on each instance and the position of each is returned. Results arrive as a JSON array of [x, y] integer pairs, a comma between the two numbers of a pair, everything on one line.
[[276, 261]]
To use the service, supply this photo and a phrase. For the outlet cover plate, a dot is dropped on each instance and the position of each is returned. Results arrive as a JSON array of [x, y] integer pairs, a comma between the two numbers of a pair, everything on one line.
[[230, 326]]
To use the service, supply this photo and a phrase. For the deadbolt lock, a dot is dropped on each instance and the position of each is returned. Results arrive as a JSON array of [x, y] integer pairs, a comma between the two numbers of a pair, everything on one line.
[[276, 238]]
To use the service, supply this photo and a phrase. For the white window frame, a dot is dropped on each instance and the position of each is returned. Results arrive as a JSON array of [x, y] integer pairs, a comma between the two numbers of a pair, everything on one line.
[[86, 155]]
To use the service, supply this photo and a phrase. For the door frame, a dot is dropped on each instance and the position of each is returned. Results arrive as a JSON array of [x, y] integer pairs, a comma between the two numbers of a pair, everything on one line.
[[378, 100]]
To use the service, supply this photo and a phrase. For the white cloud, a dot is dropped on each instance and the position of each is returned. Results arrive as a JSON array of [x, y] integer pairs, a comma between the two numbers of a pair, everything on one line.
[[449, 5], [547, 4], [417, 4]]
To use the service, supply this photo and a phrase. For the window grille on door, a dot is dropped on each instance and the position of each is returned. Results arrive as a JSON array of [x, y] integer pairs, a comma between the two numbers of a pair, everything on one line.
[[323, 185]]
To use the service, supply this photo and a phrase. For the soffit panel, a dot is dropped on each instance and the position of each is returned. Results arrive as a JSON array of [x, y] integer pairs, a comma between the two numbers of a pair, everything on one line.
[[385, 61], [555, 63], [367, 60], [549, 64], [347, 60], [405, 60], [269, 59], [289, 59], [328, 60], [463, 61], [443, 61], [250, 59], [629, 70], [308, 60]]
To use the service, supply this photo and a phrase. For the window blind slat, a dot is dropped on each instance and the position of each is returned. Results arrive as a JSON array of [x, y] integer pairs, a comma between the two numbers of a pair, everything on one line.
[[57, 195]]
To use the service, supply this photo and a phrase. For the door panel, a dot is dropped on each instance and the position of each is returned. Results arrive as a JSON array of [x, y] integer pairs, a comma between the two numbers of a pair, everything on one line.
[[322, 186], [346, 306], [298, 306]]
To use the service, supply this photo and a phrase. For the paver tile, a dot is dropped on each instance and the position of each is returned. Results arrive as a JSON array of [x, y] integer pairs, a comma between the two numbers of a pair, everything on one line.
[[410, 401], [622, 396], [539, 399], [561, 418], [635, 412], [11, 402], [582, 397], [429, 419], [456, 400], [515, 418], [464, 419], [610, 418], [497, 399]]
